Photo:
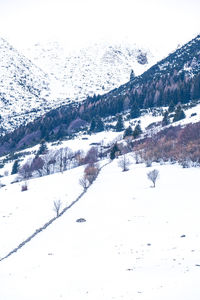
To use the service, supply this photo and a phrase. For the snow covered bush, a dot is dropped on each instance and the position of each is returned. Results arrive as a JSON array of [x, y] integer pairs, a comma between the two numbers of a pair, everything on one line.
[[153, 176]]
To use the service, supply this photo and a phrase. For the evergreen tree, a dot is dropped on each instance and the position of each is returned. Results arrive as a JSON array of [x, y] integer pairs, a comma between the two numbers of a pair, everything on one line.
[[137, 131], [43, 148], [135, 111], [114, 151], [128, 132], [15, 167], [165, 120], [120, 124], [179, 114], [132, 75], [99, 125], [171, 107], [96, 125], [92, 125]]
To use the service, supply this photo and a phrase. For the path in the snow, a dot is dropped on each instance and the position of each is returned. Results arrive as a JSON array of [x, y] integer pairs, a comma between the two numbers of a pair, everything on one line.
[[47, 224]]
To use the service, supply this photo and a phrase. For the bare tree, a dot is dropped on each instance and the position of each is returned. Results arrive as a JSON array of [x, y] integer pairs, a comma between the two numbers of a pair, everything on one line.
[[137, 156], [153, 176], [37, 165], [49, 162], [91, 172], [57, 206], [59, 158], [67, 157], [91, 156], [25, 171], [84, 182], [124, 163]]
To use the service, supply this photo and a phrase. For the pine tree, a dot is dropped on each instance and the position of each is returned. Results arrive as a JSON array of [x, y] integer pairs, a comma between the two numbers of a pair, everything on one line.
[[99, 125], [137, 131], [165, 120], [96, 125], [92, 125], [171, 107], [43, 148], [135, 111], [179, 114], [15, 167], [120, 124], [114, 151], [128, 132], [132, 75]]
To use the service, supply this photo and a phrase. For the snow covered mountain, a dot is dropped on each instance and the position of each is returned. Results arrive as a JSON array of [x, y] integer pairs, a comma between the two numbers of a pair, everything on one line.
[[95, 69], [23, 87], [28, 90]]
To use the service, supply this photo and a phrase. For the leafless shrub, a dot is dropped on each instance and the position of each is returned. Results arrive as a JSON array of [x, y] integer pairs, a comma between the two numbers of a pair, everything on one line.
[[148, 163], [153, 176], [26, 171], [37, 165], [84, 182], [49, 160], [57, 206], [24, 187], [78, 158], [91, 172], [91, 156], [137, 156], [124, 163]]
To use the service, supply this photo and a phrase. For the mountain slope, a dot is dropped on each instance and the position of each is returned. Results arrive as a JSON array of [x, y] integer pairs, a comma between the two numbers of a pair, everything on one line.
[[177, 78], [131, 244], [95, 69], [29, 90], [23, 88]]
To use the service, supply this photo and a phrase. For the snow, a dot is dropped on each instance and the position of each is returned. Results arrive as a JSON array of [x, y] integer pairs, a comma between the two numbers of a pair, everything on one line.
[[42, 78], [95, 69], [138, 242]]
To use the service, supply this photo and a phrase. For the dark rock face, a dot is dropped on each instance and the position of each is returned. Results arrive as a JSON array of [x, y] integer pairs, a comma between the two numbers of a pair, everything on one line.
[[142, 59]]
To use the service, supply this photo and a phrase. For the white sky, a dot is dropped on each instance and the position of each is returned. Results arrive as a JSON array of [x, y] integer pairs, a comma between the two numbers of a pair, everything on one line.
[[155, 23]]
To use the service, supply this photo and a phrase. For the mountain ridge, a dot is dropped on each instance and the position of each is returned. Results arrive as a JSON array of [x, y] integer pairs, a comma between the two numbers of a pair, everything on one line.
[[177, 78], [30, 89]]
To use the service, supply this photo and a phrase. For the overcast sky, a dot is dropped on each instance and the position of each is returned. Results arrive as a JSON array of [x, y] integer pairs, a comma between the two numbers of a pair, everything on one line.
[[155, 23]]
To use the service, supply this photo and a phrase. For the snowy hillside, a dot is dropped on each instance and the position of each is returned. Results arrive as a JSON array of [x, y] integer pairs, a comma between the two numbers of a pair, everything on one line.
[[51, 77], [23, 88], [95, 69], [136, 242]]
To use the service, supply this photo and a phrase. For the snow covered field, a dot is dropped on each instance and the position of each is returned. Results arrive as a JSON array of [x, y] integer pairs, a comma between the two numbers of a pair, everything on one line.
[[138, 242]]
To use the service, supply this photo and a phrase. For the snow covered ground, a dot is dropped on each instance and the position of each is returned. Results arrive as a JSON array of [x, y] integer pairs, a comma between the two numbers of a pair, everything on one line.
[[138, 242]]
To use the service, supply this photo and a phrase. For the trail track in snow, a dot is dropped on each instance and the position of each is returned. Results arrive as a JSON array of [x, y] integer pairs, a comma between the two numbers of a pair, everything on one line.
[[52, 220]]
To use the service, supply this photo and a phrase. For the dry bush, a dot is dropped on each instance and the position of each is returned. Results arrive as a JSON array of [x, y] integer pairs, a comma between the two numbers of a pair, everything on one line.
[[24, 187], [91, 172], [174, 144], [153, 176], [26, 171], [57, 206], [84, 182], [91, 156]]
